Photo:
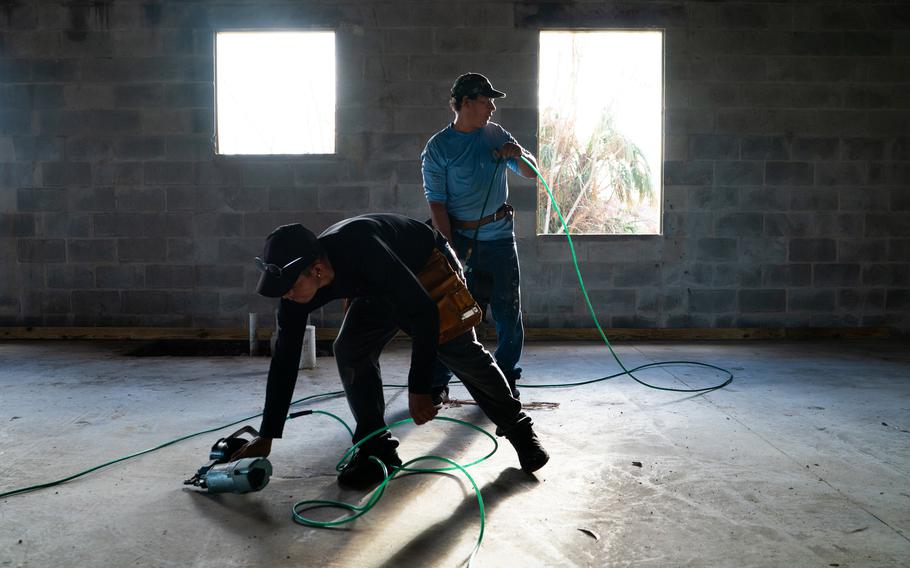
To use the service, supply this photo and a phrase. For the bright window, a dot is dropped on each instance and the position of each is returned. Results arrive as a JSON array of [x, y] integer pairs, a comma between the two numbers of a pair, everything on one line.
[[600, 137], [275, 92]]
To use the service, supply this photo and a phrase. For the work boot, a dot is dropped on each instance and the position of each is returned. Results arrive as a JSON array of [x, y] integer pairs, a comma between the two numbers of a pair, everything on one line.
[[440, 395], [511, 378], [362, 472], [531, 454]]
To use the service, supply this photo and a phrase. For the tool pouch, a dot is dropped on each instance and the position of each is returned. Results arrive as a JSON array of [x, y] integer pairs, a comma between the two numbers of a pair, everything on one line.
[[458, 312]]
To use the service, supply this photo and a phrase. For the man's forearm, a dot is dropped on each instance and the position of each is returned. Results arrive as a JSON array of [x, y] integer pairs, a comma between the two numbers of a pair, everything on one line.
[[440, 217], [526, 170]]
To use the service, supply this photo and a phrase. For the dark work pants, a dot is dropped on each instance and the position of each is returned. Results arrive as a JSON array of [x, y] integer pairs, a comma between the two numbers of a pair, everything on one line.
[[368, 326]]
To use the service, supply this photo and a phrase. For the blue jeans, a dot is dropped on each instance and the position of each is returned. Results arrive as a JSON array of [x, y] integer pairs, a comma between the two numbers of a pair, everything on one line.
[[497, 262]]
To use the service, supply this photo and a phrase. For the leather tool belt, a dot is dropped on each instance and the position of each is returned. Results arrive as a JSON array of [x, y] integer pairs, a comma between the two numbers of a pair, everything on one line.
[[458, 312], [505, 210]]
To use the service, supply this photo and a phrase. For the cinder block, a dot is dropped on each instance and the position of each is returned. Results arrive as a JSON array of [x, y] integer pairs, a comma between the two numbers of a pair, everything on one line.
[[688, 173], [744, 68], [46, 302], [865, 149], [868, 43], [765, 148], [38, 148], [321, 172], [788, 173], [353, 198], [786, 275], [739, 173], [898, 249], [898, 299], [637, 274], [140, 199], [889, 173], [711, 301], [15, 122], [891, 274], [17, 225], [169, 276], [887, 225], [88, 149], [840, 225], [716, 249], [864, 198], [714, 146], [214, 276], [838, 275], [813, 250], [219, 225], [713, 95], [813, 199], [861, 300], [610, 301], [63, 224], [763, 250], [168, 173], [765, 198], [123, 173], [80, 96], [15, 71], [139, 148], [810, 300], [189, 95], [40, 199], [267, 174], [95, 303], [739, 225], [815, 149], [869, 96], [54, 70], [41, 250], [144, 302], [862, 250], [762, 300], [70, 276], [743, 16], [408, 41], [141, 250], [90, 250], [837, 174], [239, 250], [189, 148], [91, 198]]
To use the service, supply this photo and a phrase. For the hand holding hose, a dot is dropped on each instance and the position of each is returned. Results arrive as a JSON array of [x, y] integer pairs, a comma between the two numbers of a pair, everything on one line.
[[421, 408]]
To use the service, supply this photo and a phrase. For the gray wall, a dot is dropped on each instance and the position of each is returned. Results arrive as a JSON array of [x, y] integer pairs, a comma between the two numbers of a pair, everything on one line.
[[786, 144]]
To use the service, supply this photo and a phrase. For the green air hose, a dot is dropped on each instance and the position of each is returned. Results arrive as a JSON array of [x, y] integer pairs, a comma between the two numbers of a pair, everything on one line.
[[357, 511]]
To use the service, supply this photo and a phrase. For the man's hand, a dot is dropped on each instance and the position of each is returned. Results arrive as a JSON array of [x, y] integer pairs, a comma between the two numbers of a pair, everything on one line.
[[258, 447], [421, 408], [510, 150]]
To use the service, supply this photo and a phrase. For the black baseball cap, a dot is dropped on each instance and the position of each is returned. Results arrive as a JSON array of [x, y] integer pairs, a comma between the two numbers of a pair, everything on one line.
[[289, 249], [473, 84]]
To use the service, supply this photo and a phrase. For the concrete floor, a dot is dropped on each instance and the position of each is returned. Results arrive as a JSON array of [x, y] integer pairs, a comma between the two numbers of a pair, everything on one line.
[[803, 461]]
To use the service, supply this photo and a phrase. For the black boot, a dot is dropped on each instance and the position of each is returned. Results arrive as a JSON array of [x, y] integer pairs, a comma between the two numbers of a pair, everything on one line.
[[511, 378], [362, 472], [531, 454], [440, 395]]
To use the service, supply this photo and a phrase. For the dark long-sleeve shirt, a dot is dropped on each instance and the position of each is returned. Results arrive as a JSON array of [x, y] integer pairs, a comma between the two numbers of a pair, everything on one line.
[[372, 255]]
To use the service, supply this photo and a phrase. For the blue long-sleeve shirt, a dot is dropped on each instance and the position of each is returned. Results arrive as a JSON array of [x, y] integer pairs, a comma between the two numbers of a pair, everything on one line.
[[458, 168]]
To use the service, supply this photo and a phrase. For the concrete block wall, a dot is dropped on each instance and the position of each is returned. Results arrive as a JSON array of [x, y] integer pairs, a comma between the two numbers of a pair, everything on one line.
[[787, 158]]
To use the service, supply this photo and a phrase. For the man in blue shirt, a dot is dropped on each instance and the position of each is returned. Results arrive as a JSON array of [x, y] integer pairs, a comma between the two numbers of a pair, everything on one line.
[[465, 183]]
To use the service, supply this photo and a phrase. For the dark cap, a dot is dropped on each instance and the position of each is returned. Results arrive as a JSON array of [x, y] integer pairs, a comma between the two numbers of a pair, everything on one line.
[[288, 250], [473, 84]]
